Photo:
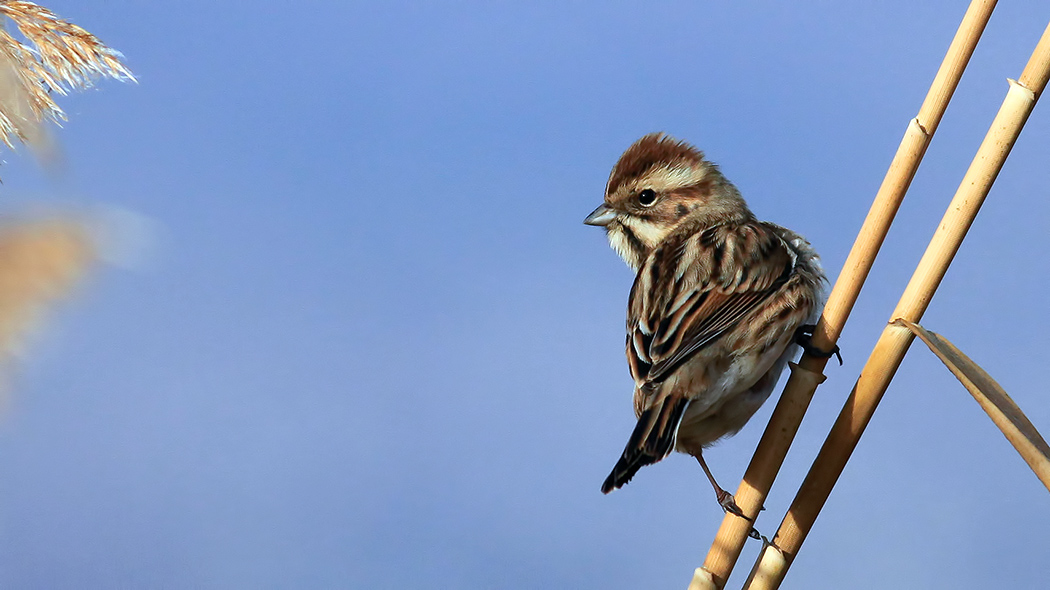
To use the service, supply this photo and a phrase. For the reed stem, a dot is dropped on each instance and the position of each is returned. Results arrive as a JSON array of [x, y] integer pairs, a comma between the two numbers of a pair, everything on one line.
[[808, 373], [893, 344]]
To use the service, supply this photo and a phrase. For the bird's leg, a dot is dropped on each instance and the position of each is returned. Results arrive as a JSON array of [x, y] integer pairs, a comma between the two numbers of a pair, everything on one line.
[[725, 499], [803, 337]]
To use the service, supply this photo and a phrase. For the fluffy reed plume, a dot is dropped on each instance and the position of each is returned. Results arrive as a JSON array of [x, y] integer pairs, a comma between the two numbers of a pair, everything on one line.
[[57, 57]]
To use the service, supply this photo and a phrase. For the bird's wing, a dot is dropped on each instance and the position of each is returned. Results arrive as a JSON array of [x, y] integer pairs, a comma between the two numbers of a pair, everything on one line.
[[696, 287], [689, 292]]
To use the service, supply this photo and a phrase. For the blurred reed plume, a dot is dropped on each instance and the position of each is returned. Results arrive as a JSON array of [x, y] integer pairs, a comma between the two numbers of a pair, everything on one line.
[[41, 259], [39, 262], [56, 57]]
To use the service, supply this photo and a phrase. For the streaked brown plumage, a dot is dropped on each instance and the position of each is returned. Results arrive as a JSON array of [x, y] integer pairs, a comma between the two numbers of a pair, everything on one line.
[[712, 315]]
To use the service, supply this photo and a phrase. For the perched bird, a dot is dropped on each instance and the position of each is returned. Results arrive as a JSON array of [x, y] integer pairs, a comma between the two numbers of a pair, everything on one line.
[[719, 300]]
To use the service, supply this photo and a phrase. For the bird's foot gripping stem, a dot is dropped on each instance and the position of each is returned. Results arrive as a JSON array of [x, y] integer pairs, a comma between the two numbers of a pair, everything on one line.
[[804, 336]]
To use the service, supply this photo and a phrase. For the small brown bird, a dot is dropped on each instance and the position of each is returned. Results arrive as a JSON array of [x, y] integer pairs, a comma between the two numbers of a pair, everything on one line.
[[719, 300]]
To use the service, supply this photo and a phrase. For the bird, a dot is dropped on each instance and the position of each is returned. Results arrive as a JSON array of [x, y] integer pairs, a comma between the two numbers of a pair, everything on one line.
[[719, 301]]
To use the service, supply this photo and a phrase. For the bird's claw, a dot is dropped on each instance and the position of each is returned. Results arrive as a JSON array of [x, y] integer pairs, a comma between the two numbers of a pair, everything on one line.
[[804, 336], [728, 503]]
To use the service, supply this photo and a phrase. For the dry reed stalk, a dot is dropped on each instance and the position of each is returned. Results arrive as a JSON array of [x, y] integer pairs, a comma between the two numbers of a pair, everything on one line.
[[770, 566], [893, 343], [808, 373], [59, 57]]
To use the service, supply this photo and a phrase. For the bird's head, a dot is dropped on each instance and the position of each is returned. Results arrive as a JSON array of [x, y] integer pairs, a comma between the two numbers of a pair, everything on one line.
[[658, 183]]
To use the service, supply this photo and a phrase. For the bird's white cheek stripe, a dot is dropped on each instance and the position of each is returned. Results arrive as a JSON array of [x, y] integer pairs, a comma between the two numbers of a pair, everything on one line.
[[649, 233]]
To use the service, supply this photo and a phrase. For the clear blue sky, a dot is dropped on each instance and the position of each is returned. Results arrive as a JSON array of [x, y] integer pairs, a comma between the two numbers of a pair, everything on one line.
[[373, 345]]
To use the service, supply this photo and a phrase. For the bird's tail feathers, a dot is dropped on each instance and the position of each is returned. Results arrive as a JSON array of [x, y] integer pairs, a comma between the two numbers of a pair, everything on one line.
[[652, 440]]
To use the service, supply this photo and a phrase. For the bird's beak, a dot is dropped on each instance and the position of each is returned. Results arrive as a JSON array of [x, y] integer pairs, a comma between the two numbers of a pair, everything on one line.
[[601, 216]]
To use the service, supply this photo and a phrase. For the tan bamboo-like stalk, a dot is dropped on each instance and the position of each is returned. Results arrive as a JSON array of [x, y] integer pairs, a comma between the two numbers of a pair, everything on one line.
[[808, 374], [893, 344], [769, 567]]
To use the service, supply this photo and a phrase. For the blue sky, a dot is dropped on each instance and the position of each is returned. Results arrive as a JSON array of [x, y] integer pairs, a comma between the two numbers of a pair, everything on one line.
[[370, 343]]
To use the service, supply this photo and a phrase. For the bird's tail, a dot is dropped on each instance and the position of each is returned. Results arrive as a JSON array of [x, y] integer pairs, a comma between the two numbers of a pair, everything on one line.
[[652, 440]]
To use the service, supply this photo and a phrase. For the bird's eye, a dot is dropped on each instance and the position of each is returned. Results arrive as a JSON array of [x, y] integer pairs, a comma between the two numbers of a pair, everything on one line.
[[647, 197]]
